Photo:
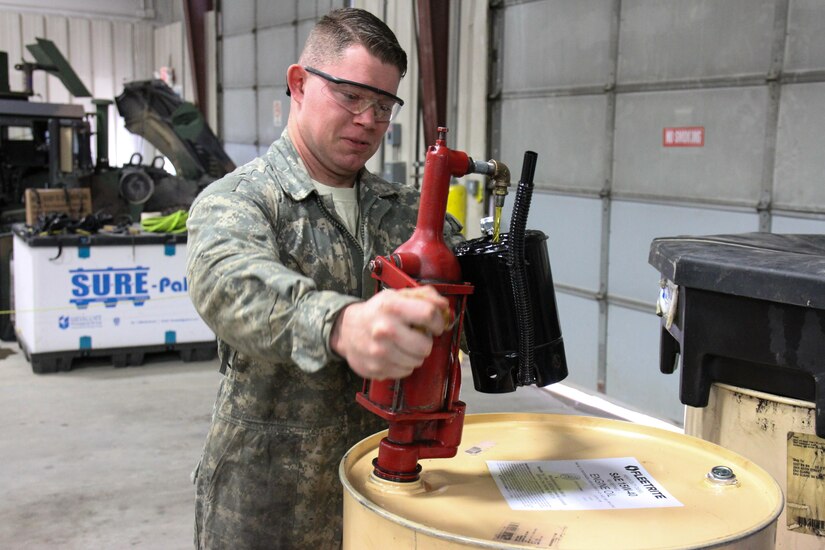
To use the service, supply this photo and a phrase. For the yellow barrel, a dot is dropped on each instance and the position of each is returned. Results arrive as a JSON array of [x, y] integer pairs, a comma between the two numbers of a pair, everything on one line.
[[778, 434], [563, 482], [457, 202]]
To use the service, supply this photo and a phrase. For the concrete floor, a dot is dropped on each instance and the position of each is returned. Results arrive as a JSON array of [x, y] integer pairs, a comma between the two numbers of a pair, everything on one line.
[[101, 457]]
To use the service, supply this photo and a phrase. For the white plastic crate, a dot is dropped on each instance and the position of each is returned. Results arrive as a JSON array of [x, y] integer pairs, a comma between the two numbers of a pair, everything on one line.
[[77, 294]]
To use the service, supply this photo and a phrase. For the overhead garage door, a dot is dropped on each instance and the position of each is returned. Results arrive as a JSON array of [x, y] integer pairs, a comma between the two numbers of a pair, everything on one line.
[[654, 119], [259, 39]]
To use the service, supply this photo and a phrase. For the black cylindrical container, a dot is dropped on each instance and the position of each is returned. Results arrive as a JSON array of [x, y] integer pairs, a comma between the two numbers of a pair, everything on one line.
[[491, 317]]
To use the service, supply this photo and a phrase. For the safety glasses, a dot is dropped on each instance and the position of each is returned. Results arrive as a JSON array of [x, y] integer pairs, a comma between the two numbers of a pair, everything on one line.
[[356, 97]]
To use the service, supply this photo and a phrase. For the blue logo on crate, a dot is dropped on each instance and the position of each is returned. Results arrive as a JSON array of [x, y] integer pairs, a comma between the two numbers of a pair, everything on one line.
[[63, 322], [172, 285], [109, 286]]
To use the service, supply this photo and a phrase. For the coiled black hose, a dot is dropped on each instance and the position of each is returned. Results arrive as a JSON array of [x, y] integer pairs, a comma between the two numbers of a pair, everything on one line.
[[518, 273]]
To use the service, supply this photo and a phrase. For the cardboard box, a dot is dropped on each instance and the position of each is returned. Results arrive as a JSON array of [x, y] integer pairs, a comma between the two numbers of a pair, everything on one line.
[[76, 203], [89, 293]]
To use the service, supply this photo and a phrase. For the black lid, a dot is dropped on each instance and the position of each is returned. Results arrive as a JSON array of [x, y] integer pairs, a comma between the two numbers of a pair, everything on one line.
[[768, 266], [97, 239]]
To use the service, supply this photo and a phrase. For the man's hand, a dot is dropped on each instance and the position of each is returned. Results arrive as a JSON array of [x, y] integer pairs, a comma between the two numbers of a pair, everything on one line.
[[390, 334]]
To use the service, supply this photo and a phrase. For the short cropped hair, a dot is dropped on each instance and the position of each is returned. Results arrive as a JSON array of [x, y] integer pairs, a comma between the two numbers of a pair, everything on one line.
[[345, 27]]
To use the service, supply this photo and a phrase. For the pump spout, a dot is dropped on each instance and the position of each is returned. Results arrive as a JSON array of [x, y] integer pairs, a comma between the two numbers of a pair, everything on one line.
[[500, 174]]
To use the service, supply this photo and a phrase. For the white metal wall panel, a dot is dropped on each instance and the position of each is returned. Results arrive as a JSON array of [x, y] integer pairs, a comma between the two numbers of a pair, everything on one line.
[[110, 9], [32, 27], [104, 53], [579, 319], [101, 48], [805, 48], [57, 30], [79, 54], [121, 142], [633, 365], [693, 39], [556, 43], [728, 168], [11, 43], [103, 83], [799, 177], [143, 48], [633, 225], [567, 133]]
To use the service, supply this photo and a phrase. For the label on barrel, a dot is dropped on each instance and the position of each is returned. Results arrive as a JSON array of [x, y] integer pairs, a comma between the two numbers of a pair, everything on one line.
[[588, 484], [806, 484]]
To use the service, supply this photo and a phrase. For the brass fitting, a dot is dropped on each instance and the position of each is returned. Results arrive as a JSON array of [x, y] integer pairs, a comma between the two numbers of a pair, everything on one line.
[[501, 181]]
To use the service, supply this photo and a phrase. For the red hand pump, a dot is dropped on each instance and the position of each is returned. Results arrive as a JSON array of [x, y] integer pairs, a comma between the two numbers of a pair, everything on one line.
[[424, 413]]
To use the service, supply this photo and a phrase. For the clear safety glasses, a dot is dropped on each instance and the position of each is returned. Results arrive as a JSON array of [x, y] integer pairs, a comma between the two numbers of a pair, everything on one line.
[[356, 97]]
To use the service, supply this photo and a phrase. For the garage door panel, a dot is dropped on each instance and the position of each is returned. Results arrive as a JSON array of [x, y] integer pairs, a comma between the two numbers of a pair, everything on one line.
[[239, 117], [805, 49], [240, 19], [799, 171], [275, 53], [238, 54], [568, 133], [692, 39], [556, 44], [273, 112], [725, 167]]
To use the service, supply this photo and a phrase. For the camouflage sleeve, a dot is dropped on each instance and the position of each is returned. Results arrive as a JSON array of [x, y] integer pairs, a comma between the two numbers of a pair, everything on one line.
[[452, 231], [244, 294]]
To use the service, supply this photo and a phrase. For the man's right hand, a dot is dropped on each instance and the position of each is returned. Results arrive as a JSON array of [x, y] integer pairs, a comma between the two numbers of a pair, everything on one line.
[[390, 334]]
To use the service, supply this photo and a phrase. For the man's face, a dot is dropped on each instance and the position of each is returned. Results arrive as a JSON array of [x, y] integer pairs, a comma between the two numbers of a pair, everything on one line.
[[335, 143]]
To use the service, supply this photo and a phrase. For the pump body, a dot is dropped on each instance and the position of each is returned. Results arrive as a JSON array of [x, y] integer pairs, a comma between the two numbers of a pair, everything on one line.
[[424, 414], [423, 410]]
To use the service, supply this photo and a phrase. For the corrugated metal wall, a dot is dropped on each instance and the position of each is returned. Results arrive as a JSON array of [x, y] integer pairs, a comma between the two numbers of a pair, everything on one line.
[[593, 87], [105, 53]]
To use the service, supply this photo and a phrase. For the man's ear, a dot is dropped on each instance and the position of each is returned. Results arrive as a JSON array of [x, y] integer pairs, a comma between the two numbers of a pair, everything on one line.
[[296, 78]]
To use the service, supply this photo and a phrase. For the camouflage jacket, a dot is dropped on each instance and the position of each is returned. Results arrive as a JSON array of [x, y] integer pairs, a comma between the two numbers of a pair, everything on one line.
[[270, 266]]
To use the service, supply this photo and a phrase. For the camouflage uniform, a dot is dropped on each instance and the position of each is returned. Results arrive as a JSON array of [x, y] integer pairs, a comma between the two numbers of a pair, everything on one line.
[[270, 266]]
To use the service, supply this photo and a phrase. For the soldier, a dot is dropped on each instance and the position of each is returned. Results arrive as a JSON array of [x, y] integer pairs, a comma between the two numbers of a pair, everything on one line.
[[277, 267]]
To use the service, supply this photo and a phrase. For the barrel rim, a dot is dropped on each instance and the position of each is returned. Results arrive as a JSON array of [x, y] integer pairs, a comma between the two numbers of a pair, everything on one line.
[[480, 418]]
